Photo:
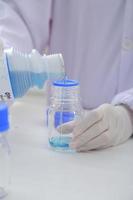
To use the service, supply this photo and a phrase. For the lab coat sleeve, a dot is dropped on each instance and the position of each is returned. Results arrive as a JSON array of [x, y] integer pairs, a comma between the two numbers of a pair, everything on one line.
[[125, 78], [24, 24], [125, 98]]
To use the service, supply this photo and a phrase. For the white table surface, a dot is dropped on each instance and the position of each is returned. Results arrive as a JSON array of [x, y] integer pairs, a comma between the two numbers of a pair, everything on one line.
[[39, 173]]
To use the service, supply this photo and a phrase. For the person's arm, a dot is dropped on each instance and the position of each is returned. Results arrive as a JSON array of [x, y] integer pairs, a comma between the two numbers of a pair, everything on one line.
[[125, 98], [24, 25], [106, 126]]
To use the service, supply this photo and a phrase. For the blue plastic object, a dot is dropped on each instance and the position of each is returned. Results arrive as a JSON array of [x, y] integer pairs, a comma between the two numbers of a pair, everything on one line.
[[66, 83], [4, 122]]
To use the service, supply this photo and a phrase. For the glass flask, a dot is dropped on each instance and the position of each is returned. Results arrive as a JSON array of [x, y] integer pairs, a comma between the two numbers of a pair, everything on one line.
[[4, 152], [65, 107]]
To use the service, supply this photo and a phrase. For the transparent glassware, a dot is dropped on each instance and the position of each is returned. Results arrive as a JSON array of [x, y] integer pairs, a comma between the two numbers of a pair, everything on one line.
[[64, 107], [4, 152]]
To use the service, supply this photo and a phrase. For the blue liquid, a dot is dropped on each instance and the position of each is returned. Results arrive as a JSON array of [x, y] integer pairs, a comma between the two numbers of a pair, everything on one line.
[[62, 117], [22, 81], [60, 143], [38, 79]]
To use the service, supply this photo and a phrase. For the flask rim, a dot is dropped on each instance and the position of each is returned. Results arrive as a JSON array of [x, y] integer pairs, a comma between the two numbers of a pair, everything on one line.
[[66, 83]]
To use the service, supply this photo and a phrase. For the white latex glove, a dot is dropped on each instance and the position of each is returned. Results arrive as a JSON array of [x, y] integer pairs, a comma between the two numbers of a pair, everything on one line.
[[103, 127]]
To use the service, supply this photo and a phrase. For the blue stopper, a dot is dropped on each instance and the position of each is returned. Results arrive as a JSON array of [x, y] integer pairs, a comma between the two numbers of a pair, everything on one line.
[[4, 121]]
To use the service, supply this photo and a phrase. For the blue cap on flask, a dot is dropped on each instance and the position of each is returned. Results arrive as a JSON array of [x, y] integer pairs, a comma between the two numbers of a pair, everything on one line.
[[66, 83], [4, 122]]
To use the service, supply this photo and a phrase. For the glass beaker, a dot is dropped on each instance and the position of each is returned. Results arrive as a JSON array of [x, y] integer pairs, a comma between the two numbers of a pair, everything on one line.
[[64, 107]]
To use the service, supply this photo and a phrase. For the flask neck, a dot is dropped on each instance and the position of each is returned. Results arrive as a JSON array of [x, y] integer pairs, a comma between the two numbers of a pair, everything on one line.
[[65, 95]]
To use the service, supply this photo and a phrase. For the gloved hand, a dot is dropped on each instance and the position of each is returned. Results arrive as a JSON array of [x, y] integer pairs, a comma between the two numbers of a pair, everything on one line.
[[103, 127]]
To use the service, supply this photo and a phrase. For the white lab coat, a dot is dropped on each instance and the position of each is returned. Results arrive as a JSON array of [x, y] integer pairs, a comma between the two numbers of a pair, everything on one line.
[[95, 37]]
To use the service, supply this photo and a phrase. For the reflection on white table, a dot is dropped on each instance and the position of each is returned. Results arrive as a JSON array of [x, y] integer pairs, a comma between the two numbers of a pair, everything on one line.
[[39, 173]]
